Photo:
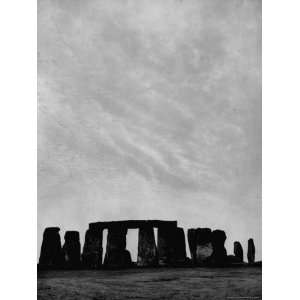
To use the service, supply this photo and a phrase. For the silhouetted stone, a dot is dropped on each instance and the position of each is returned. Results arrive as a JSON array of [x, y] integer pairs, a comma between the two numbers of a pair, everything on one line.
[[179, 245], [116, 254], [219, 254], [166, 245], [238, 251], [71, 250], [191, 234], [51, 252], [251, 251], [147, 252], [92, 249], [204, 248]]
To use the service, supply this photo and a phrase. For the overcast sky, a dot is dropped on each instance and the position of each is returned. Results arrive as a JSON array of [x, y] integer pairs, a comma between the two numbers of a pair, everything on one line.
[[150, 109]]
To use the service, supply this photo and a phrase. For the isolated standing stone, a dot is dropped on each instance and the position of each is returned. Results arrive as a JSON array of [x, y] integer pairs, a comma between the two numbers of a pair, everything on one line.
[[71, 249], [166, 245], [147, 252], [116, 254], [204, 248], [219, 254], [238, 251], [51, 252], [191, 234], [251, 251]]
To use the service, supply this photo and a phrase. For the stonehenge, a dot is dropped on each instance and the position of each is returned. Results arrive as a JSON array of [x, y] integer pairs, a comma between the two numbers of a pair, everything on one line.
[[206, 247]]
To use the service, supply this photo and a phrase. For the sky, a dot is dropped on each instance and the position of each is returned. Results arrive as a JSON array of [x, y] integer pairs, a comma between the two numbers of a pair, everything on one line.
[[150, 110]]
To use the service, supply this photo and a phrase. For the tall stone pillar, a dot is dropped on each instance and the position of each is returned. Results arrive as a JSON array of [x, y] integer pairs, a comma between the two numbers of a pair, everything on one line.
[[51, 252], [192, 243], [92, 249], [147, 252], [251, 251], [180, 250], [238, 251], [166, 245], [71, 250], [116, 255], [204, 248], [219, 255]]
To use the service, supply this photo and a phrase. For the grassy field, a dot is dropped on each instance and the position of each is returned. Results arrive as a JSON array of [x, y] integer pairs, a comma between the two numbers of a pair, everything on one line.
[[179, 283]]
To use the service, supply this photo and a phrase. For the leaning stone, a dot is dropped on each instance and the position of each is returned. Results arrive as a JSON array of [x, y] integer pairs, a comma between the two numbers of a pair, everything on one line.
[[238, 251], [71, 250], [251, 251], [51, 252], [92, 249], [147, 252], [219, 255], [204, 248]]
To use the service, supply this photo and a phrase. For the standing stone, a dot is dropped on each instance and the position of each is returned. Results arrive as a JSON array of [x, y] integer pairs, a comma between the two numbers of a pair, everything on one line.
[[116, 254], [51, 252], [204, 248], [71, 250], [147, 252], [238, 251], [165, 245], [92, 249], [180, 249], [192, 243], [251, 251], [219, 255]]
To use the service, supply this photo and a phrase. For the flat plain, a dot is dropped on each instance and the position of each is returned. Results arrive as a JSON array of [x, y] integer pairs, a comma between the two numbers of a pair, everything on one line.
[[151, 284]]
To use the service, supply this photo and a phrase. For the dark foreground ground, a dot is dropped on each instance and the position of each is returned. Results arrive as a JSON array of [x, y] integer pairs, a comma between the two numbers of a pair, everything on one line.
[[179, 283]]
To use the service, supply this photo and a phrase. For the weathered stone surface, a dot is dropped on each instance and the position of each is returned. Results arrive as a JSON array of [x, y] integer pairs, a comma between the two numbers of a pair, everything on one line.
[[92, 249], [71, 250], [116, 255], [238, 251], [204, 248], [147, 252], [251, 251], [51, 252], [179, 245], [192, 243], [219, 254], [166, 245]]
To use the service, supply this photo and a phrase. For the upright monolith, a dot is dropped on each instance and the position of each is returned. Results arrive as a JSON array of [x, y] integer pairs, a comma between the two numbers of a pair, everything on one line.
[[179, 245], [238, 251], [116, 255], [219, 254], [92, 249], [191, 234], [166, 245], [204, 248], [51, 252], [251, 251], [71, 250], [147, 252]]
